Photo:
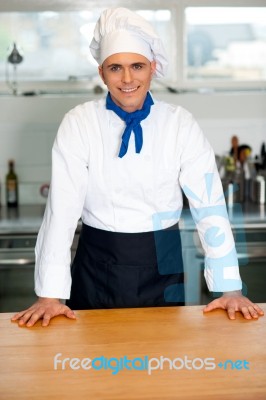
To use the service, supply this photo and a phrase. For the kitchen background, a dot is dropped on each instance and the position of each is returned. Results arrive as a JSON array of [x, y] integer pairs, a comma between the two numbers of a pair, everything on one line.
[[217, 71], [28, 126], [217, 52]]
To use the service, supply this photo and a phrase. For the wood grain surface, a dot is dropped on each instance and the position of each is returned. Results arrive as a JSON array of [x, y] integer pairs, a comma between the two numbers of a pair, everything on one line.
[[184, 335]]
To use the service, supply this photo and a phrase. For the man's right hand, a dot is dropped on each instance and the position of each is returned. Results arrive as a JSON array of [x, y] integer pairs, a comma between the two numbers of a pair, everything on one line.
[[45, 309]]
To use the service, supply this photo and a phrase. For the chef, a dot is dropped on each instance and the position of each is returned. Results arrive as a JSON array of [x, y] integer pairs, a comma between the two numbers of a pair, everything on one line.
[[119, 164]]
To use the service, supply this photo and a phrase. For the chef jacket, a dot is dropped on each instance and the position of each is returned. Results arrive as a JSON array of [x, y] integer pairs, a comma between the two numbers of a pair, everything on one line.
[[129, 194]]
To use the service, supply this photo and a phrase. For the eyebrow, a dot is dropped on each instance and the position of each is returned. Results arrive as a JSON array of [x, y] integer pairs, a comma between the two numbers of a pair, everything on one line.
[[113, 65], [120, 65]]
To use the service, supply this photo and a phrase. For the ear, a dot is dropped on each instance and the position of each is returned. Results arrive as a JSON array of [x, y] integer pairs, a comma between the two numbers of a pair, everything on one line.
[[153, 67], [100, 70]]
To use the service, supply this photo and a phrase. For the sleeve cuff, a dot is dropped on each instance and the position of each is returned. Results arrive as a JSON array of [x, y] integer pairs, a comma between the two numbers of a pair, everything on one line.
[[222, 274]]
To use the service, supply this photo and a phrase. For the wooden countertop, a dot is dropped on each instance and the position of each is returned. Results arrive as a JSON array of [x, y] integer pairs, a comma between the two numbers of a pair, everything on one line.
[[184, 335]]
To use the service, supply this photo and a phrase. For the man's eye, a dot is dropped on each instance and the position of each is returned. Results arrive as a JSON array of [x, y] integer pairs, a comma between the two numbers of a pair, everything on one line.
[[137, 66], [115, 68]]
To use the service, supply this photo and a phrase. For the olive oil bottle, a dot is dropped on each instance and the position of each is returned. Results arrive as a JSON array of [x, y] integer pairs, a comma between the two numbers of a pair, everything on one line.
[[11, 186]]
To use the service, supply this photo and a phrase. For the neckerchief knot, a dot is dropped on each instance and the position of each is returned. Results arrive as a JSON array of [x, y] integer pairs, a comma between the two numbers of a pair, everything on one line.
[[132, 121]]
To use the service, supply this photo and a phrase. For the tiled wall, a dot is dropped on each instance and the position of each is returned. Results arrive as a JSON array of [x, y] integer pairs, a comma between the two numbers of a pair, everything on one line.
[[28, 126], [27, 130]]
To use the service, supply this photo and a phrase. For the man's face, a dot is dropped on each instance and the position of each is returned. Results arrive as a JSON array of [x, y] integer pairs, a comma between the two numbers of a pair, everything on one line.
[[128, 77]]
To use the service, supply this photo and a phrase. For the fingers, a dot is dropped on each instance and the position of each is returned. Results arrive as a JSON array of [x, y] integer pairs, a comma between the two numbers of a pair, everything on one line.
[[18, 315], [232, 304], [258, 309], [231, 312], [249, 311], [36, 316], [24, 316], [245, 312], [253, 312], [45, 311], [31, 317], [65, 311], [208, 308], [211, 306], [69, 313], [46, 319]]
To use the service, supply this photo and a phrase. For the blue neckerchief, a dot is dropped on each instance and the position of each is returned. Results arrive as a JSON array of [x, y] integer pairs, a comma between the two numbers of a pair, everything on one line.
[[132, 121]]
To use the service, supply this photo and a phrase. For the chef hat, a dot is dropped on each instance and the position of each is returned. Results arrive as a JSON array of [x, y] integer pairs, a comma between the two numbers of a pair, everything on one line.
[[120, 30]]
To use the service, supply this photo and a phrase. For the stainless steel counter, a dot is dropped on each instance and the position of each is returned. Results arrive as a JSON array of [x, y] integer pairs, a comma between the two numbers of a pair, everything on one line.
[[244, 216], [18, 233], [24, 219], [252, 215]]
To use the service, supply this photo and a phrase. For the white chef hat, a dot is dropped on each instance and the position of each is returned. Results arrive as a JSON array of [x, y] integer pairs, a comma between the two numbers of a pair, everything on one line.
[[119, 30]]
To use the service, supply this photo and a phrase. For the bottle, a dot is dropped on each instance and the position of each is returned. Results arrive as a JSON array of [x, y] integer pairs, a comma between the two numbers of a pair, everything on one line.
[[263, 156], [230, 200], [11, 186], [260, 192]]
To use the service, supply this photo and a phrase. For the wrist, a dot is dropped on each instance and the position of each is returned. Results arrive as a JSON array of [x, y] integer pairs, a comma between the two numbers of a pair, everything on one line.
[[233, 293], [48, 300]]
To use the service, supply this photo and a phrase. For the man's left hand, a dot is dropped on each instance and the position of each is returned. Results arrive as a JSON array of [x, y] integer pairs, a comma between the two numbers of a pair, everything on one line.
[[235, 301]]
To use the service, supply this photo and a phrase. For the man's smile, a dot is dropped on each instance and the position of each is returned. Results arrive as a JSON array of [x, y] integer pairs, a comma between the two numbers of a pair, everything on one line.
[[129, 90]]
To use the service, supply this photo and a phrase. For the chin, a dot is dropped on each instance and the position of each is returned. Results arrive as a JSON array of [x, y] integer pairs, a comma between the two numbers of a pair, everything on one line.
[[134, 101]]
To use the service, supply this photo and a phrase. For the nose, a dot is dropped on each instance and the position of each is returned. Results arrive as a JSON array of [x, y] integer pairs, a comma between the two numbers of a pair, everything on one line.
[[127, 75]]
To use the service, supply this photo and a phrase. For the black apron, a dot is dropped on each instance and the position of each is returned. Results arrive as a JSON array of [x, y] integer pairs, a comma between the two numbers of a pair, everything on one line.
[[117, 270]]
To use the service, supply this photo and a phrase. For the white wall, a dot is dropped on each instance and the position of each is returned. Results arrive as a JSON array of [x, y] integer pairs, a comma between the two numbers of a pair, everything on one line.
[[28, 126], [222, 115]]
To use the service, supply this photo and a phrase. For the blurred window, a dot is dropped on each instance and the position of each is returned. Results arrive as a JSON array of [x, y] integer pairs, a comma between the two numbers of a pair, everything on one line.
[[55, 45], [220, 47], [225, 43]]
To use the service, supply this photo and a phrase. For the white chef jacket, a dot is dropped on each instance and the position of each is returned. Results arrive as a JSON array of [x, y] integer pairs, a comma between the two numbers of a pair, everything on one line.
[[89, 181]]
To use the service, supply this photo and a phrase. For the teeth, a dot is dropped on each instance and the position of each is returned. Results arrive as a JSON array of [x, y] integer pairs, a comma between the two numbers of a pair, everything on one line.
[[128, 90]]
